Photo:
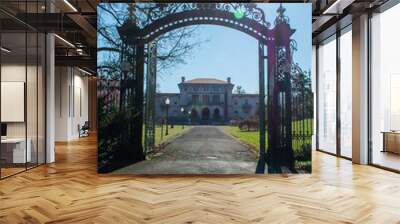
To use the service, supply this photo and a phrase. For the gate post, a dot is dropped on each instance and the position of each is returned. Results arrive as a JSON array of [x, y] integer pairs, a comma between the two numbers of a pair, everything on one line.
[[273, 110], [138, 98], [131, 36], [261, 109], [150, 107], [280, 151]]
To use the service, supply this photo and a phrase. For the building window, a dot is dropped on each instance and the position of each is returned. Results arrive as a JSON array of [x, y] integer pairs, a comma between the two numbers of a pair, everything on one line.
[[216, 99], [385, 89], [195, 99], [327, 96], [346, 94], [206, 99], [23, 96]]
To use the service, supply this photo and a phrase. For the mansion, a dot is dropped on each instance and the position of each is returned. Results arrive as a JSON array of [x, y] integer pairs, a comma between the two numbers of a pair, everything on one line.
[[206, 101]]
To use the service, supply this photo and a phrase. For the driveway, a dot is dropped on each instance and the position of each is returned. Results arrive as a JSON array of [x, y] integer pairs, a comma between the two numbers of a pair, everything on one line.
[[200, 150]]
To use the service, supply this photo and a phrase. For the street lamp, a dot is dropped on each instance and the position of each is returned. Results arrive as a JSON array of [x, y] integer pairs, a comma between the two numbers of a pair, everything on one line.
[[125, 69], [190, 113], [167, 102], [183, 112], [126, 66]]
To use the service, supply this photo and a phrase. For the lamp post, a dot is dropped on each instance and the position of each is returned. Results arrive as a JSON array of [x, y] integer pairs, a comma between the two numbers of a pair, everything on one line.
[[162, 125], [190, 113], [167, 101], [125, 68], [183, 112]]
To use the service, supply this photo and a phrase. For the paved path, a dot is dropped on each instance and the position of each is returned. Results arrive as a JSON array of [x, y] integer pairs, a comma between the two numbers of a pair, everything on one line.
[[200, 150]]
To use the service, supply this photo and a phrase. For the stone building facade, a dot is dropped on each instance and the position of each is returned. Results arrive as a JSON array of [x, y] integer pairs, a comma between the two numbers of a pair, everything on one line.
[[206, 101]]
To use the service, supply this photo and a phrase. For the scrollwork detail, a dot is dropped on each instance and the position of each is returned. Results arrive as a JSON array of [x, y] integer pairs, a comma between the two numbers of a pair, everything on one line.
[[250, 10]]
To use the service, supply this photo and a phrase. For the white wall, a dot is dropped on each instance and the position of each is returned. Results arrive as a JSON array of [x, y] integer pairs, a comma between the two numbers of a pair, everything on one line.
[[71, 102], [17, 73], [10, 73], [314, 90], [33, 126], [80, 110]]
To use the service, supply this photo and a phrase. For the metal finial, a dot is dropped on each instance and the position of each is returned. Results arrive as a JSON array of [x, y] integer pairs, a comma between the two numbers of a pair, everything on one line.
[[281, 18], [131, 13], [281, 10]]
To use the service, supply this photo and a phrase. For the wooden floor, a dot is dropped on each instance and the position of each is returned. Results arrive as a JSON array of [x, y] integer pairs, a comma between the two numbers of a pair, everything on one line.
[[386, 159], [70, 191], [5, 172]]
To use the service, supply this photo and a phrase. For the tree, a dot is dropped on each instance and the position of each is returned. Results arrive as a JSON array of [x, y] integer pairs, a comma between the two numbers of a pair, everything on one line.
[[120, 125], [172, 48], [239, 90]]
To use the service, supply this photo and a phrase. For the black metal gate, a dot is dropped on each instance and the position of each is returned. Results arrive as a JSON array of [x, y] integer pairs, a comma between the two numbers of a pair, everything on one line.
[[274, 59], [150, 106]]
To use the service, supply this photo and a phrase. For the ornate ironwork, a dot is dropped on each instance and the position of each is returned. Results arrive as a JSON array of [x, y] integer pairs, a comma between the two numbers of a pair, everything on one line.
[[283, 65], [149, 140], [159, 18], [301, 108], [275, 50], [157, 11], [281, 18]]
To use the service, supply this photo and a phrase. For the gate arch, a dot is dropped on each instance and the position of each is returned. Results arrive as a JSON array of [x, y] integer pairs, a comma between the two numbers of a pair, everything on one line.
[[274, 50], [252, 23]]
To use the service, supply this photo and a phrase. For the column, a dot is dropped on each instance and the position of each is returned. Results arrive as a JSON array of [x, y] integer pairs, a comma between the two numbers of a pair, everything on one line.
[[360, 90], [50, 98]]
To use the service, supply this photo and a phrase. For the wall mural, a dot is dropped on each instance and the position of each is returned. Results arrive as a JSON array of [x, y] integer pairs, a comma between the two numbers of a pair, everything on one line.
[[173, 99]]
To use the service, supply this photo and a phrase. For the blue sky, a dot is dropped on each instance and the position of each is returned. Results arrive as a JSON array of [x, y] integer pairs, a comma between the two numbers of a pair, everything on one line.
[[231, 53]]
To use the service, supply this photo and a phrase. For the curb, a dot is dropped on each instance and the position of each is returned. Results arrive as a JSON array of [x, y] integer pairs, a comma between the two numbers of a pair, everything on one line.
[[168, 141], [252, 148]]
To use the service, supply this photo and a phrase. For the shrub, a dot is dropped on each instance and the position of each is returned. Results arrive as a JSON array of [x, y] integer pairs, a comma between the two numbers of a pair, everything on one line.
[[304, 153]]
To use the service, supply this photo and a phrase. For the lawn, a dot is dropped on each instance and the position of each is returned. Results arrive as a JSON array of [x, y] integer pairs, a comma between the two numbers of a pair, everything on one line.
[[249, 137], [252, 138], [172, 132]]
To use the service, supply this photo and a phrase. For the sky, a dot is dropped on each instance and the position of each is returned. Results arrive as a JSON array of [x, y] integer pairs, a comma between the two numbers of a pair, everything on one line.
[[230, 53], [225, 52]]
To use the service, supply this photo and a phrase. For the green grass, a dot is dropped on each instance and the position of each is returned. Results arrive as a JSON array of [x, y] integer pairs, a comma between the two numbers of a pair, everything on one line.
[[251, 138], [172, 132], [306, 125], [303, 165]]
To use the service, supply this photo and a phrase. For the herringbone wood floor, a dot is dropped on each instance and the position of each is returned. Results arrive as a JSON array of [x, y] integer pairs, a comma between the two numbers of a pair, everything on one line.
[[70, 191]]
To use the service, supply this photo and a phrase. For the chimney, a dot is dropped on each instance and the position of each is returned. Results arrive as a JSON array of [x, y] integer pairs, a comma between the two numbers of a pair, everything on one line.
[[183, 79], [228, 79]]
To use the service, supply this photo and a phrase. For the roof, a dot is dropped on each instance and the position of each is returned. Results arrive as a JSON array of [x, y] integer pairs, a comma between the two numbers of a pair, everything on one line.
[[168, 94], [205, 81], [244, 94]]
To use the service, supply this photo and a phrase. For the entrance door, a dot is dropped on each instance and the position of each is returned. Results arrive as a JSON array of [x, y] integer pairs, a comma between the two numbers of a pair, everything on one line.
[[216, 115], [205, 115]]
